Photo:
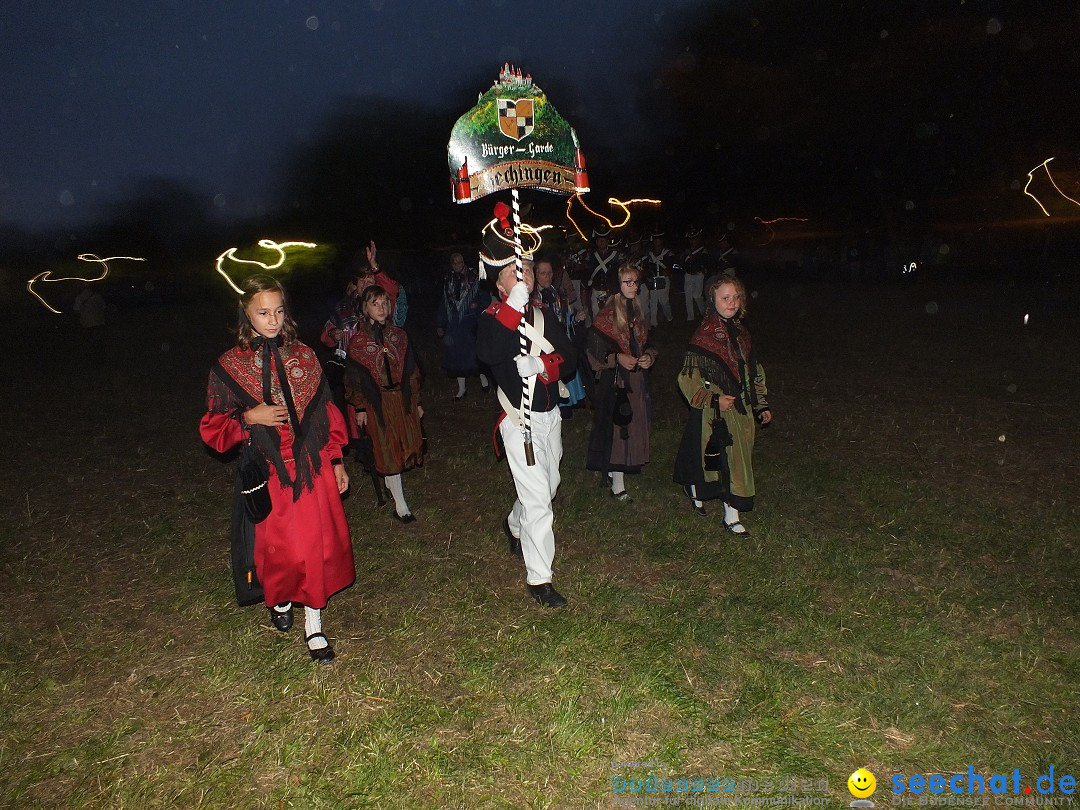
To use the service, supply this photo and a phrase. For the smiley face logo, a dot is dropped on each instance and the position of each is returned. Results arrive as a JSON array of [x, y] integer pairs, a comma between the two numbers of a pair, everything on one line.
[[862, 784]]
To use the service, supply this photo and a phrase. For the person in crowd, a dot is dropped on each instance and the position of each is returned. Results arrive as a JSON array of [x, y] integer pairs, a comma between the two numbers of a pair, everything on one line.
[[724, 384], [369, 272], [463, 299], [656, 272], [695, 262], [268, 391], [603, 264], [620, 355], [382, 383], [554, 293], [548, 358]]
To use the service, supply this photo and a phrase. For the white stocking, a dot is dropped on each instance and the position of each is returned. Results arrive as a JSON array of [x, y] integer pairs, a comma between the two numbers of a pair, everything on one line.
[[313, 624], [393, 483]]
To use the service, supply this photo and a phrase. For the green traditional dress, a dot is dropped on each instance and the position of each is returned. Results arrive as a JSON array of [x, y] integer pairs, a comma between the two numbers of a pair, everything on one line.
[[715, 455]]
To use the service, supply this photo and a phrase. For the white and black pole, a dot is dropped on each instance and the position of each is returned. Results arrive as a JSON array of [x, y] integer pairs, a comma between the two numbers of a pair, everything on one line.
[[526, 404]]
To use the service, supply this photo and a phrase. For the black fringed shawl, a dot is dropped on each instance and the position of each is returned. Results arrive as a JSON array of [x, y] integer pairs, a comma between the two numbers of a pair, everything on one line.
[[241, 379]]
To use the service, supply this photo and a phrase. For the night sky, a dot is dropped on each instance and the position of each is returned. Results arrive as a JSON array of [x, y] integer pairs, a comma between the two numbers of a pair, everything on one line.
[[773, 108]]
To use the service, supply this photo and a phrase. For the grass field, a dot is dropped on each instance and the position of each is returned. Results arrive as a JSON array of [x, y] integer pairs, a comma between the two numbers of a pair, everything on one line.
[[908, 601]]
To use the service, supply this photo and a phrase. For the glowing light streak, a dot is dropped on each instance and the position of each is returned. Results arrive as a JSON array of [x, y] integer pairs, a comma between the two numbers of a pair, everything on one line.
[[528, 251], [1031, 177], [623, 204], [910, 268], [267, 244], [768, 223], [46, 276]]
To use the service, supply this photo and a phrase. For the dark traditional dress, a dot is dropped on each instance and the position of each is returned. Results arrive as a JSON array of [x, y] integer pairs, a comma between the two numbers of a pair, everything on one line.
[[463, 299], [618, 448], [383, 380], [302, 549], [715, 453], [556, 304]]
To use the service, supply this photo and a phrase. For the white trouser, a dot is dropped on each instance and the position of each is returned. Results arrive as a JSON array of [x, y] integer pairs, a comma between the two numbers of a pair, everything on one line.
[[531, 518], [659, 299], [692, 285]]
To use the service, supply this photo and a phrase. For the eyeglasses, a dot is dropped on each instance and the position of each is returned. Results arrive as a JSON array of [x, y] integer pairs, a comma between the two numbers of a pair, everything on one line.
[[630, 283]]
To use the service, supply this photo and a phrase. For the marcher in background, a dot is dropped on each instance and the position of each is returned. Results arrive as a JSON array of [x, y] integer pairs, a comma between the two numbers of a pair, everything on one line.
[[370, 272], [555, 300], [724, 385], [550, 357], [463, 299], [382, 383], [620, 355], [696, 263], [269, 391], [91, 308], [656, 273], [603, 265]]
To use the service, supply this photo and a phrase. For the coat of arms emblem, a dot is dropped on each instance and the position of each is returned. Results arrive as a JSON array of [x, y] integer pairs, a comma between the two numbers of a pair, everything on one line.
[[516, 117]]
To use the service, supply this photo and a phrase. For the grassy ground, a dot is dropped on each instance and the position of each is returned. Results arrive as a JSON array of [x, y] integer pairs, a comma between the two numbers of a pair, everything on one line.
[[908, 601]]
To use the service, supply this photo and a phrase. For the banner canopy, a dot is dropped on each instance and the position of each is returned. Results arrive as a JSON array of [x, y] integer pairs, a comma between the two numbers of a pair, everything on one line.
[[514, 138]]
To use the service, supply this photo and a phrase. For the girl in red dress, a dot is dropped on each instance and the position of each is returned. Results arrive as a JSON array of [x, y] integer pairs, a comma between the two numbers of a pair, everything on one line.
[[269, 391]]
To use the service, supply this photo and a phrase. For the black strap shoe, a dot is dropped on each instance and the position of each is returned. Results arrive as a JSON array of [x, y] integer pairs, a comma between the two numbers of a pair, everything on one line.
[[547, 595], [282, 619], [323, 655]]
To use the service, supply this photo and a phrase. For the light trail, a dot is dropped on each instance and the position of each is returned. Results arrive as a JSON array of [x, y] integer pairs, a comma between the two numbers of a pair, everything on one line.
[[1031, 177], [46, 276], [623, 204], [268, 244]]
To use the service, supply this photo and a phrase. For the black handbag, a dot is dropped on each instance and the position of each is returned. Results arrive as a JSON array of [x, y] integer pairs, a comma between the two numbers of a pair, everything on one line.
[[623, 414], [254, 483], [719, 441]]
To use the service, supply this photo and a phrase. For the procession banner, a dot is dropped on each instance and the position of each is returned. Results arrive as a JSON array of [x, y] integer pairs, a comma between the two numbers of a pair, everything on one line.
[[514, 138]]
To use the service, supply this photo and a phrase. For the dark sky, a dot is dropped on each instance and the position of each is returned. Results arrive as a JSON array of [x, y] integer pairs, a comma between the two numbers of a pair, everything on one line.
[[772, 107], [216, 92]]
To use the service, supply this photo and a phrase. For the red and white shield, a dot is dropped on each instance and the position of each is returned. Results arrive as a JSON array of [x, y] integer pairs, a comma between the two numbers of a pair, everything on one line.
[[516, 117]]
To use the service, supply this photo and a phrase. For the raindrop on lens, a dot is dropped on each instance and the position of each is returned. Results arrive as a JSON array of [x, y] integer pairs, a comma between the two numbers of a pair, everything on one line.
[[909, 205], [312, 23], [165, 346], [931, 308], [219, 200], [66, 198], [993, 26]]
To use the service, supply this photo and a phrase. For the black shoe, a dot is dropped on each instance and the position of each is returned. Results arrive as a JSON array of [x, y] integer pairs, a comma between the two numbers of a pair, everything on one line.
[[282, 619], [623, 496], [547, 595], [486, 387], [698, 510], [406, 518], [567, 413], [513, 544], [324, 655], [460, 396]]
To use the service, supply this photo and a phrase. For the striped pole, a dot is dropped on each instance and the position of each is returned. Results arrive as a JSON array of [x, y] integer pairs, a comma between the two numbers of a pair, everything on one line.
[[526, 405]]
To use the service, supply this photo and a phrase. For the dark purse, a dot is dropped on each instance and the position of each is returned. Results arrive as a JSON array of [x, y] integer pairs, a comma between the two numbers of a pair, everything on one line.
[[254, 483], [623, 413], [719, 441]]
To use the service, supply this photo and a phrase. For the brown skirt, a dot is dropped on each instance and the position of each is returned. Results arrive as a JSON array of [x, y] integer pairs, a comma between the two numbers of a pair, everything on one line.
[[398, 441]]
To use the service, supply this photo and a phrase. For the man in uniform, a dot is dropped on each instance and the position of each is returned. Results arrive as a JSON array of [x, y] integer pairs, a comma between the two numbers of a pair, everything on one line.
[[550, 358], [604, 264], [656, 267], [696, 262]]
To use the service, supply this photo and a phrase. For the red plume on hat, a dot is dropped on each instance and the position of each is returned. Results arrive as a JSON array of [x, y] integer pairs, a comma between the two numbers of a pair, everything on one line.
[[502, 212]]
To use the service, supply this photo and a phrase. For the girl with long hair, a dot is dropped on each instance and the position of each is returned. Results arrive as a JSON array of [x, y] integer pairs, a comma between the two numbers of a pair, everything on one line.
[[268, 392], [620, 355]]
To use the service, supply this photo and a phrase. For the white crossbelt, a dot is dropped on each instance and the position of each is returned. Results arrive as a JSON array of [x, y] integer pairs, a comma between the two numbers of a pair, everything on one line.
[[540, 345]]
